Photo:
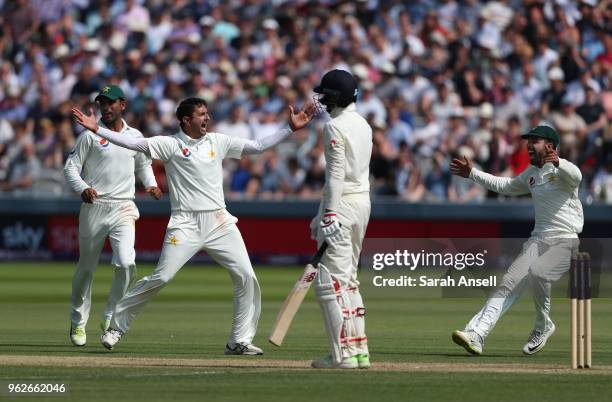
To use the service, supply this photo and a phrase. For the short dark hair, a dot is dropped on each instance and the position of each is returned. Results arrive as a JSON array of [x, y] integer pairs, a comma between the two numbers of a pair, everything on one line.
[[187, 106]]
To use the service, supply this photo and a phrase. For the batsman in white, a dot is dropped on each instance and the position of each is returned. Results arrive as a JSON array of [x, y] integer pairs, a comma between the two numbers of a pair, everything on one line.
[[199, 221], [107, 190], [553, 184], [342, 220]]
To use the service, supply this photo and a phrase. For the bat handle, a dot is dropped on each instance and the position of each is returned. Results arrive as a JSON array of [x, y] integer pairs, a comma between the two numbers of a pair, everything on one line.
[[319, 254]]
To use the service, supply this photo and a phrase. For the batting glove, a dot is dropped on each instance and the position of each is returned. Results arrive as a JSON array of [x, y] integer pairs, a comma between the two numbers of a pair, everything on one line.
[[331, 228]]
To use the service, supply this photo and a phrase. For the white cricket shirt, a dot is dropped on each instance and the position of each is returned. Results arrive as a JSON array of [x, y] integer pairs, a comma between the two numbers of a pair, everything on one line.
[[554, 190], [107, 168], [193, 168], [347, 141]]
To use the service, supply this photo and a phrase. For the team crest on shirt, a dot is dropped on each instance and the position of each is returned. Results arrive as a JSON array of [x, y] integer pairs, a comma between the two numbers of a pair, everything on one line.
[[332, 143], [551, 179], [173, 240], [186, 152], [104, 143], [531, 181]]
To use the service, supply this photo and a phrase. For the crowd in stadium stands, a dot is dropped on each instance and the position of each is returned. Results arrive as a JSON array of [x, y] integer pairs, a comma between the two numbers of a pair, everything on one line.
[[437, 79]]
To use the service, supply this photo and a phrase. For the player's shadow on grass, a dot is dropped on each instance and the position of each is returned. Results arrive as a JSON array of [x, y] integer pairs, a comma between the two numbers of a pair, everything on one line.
[[445, 354], [460, 354], [56, 348], [32, 345]]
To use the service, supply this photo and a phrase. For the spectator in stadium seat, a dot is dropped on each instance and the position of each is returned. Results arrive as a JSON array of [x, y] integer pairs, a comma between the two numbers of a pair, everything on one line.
[[571, 128], [593, 114], [480, 138], [293, 177], [371, 106], [438, 179], [408, 181], [462, 190], [602, 182], [519, 157], [398, 131], [529, 87], [456, 131], [236, 124], [576, 90], [24, 171], [551, 99], [240, 177]]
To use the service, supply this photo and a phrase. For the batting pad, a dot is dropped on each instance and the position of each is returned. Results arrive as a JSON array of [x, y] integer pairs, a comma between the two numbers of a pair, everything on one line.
[[357, 339], [336, 308]]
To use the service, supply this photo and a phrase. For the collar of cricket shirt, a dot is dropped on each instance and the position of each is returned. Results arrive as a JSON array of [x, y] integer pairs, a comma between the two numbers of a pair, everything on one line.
[[547, 168], [192, 142], [338, 110], [124, 128]]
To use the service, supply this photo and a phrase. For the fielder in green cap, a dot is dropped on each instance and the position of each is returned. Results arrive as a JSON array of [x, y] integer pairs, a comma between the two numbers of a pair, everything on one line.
[[546, 132], [553, 184], [104, 176], [112, 92]]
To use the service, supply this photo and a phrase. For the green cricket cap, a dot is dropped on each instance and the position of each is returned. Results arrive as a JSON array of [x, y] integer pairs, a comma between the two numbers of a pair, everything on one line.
[[112, 92], [546, 132]]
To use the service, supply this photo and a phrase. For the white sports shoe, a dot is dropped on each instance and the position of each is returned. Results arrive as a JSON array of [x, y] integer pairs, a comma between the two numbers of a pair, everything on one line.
[[469, 340], [537, 339], [243, 348], [110, 337], [78, 337], [328, 363]]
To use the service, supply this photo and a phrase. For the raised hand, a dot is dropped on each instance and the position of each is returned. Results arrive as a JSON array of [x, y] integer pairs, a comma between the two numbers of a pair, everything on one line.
[[301, 118], [551, 156], [154, 192], [461, 167], [87, 121]]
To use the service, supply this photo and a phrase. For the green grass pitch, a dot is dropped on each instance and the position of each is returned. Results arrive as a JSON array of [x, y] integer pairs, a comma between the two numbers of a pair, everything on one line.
[[190, 321]]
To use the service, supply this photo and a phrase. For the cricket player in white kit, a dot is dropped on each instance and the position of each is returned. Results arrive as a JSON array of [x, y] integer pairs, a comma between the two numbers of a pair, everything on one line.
[[199, 221], [104, 176], [553, 183], [342, 220]]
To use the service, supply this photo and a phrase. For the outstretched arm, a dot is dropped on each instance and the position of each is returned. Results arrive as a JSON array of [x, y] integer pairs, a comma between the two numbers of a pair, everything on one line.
[[500, 185], [297, 121], [90, 123]]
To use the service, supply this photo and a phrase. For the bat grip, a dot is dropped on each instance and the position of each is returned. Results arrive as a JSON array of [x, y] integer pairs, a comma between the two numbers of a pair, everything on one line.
[[319, 254]]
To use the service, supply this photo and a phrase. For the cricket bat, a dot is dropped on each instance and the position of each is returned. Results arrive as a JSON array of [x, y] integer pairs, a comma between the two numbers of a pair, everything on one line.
[[294, 299]]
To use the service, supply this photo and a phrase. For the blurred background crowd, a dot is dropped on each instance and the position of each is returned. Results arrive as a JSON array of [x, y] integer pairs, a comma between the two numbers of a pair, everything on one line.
[[437, 79]]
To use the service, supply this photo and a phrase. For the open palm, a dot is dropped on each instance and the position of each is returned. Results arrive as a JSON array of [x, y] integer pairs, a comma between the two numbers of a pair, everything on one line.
[[87, 121], [302, 117], [461, 167]]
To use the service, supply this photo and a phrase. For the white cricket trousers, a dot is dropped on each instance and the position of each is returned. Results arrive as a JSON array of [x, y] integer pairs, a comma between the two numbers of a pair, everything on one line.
[[114, 219], [189, 232], [342, 259], [336, 284], [540, 263]]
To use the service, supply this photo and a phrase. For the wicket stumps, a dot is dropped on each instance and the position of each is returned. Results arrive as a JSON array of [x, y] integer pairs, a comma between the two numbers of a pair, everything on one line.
[[580, 295]]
